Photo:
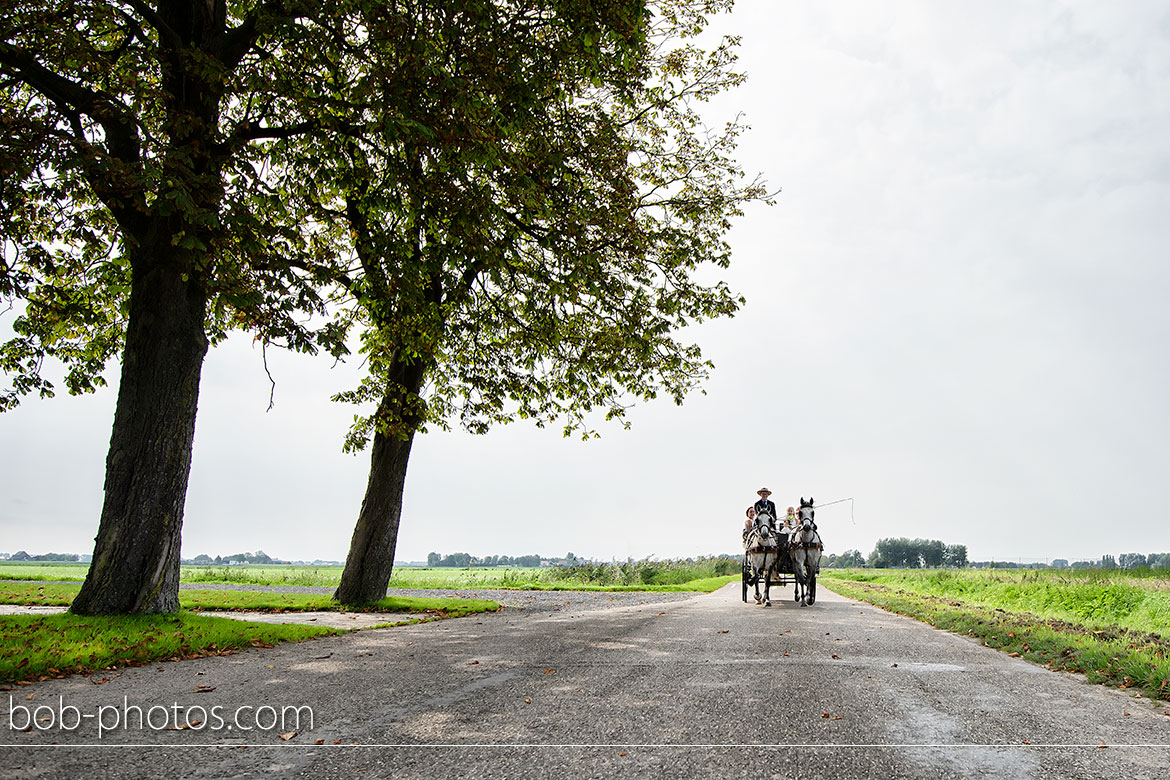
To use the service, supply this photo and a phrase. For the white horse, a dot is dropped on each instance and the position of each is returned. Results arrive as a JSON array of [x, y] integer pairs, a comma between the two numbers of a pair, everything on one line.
[[762, 547], [805, 550]]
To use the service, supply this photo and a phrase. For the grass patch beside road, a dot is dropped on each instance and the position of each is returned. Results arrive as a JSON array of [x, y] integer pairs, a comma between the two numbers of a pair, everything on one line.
[[1100, 629], [36, 647], [62, 594], [39, 646]]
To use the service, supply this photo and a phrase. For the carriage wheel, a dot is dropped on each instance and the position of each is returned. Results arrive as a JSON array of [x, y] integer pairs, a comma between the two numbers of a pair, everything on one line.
[[744, 576], [812, 587]]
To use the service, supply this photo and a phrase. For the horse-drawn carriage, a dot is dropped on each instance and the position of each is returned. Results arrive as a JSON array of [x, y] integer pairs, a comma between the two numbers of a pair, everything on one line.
[[773, 557]]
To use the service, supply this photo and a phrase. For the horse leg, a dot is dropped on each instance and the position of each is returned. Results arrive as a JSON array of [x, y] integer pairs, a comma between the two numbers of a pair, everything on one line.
[[801, 569], [768, 581], [796, 579]]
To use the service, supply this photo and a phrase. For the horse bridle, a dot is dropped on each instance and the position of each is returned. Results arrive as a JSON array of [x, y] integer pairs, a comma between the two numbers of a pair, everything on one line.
[[814, 545]]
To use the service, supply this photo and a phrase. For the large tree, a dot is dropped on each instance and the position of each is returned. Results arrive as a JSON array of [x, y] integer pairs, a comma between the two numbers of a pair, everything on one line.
[[529, 190], [136, 218]]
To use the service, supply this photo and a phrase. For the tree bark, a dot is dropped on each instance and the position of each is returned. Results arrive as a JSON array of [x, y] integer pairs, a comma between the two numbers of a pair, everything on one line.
[[135, 565], [371, 551]]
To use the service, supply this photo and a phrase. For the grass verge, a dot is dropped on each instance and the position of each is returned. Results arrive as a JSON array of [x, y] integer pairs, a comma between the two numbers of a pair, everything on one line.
[[38, 647], [42, 646], [1118, 656], [61, 594]]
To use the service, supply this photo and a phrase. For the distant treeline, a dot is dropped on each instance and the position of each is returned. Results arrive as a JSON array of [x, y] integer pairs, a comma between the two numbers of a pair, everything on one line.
[[1123, 561], [903, 553], [245, 557], [23, 556], [464, 560]]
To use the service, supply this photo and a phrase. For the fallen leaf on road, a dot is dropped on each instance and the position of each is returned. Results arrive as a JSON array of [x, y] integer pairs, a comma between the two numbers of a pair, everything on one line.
[[549, 671], [287, 735], [837, 656], [1026, 742], [1013, 655], [837, 717], [824, 714], [1125, 713], [528, 701], [661, 613], [724, 631], [319, 742], [786, 655], [34, 693], [336, 742], [202, 689], [893, 666], [319, 657], [472, 663], [622, 753], [1102, 746]]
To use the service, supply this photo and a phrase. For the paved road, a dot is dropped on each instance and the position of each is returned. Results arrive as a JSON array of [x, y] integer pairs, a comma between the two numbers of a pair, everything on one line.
[[704, 687]]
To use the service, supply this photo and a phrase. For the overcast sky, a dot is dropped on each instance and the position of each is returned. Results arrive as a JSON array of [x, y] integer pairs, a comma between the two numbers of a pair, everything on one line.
[[957, 317]]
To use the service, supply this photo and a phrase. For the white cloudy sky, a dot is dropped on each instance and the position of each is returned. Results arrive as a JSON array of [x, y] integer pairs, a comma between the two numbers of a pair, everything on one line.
[[957, 316]]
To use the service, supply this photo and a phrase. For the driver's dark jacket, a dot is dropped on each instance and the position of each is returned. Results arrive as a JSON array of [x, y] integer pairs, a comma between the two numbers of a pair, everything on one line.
[[764, 505]]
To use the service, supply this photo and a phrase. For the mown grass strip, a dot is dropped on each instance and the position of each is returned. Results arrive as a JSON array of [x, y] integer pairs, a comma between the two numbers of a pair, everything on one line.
[[37, 647], [1118, 657], [62, 594]]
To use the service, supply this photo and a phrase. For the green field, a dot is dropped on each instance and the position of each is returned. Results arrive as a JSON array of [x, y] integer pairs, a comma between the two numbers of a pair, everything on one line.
[[1111, 625], [704, 575]]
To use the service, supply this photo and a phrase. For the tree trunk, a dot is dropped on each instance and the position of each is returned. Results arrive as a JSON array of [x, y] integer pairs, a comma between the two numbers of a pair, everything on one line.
[[371, 551], [135, 566]]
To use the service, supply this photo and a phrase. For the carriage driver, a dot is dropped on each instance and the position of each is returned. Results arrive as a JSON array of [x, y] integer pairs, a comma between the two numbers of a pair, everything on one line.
[[764, 505]]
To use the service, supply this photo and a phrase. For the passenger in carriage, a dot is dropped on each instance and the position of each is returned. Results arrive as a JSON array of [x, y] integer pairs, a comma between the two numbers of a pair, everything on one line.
[[751, 520], [790, 520]]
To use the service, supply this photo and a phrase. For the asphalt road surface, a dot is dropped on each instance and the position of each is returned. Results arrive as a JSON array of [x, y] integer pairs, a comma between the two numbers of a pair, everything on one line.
[[701, 687]]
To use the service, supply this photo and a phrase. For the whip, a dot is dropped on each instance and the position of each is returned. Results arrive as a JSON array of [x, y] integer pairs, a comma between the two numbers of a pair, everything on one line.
[[840, 501]]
